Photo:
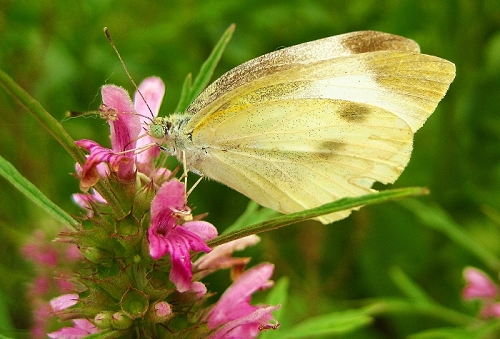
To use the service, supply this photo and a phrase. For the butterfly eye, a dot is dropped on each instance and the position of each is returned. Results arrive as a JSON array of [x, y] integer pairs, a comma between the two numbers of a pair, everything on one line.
[[157, 131]]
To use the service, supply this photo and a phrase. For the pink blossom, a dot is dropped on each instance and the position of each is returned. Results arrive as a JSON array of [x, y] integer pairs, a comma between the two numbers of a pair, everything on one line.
[[491, 310], [98, 155], [87, 200], [82, 328], [199, 288], [221, 256], [41, 253], [162, 309], [125, 127], [233, 310], [247, 326], [152, 90], [168, 233], [479, 285], [64, 301]]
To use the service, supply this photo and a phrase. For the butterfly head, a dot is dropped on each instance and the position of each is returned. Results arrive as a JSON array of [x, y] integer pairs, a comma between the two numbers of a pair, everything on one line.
[[159, 128]]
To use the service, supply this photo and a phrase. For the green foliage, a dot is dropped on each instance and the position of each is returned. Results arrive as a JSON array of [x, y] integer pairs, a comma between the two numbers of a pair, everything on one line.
[[56, 51]]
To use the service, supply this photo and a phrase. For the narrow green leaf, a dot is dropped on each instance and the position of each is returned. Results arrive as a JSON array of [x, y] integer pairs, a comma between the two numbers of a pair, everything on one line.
[[335, 206], [206, 71], [438, 219], [252, 215], [399, 306], [45, 119], [10, 173], [329, 324], [5, 320], [409, 287], [279, 295], [185, 97], [480, 330]]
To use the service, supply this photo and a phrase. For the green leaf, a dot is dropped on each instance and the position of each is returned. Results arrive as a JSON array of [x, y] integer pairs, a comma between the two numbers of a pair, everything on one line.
[[489, 329], [190, 92], [409, 287], [398, 306], [5, 320], [10, 173], [330, 324], [335, 206], [279, 295], [43, 117], [252, 215], [436, 218], [56, 130]]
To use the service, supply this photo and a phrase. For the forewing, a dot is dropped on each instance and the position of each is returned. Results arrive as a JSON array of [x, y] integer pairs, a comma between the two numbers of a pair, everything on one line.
[[292, 155], [264, 68]]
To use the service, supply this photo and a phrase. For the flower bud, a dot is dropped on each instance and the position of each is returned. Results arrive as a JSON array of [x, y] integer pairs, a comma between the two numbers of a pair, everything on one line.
[[143, 198], [159, 312], [95, 255], [104, 320], [121, 321]]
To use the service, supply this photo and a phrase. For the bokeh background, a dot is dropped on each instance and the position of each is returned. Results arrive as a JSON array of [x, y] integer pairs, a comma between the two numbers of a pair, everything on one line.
[[57, 51]]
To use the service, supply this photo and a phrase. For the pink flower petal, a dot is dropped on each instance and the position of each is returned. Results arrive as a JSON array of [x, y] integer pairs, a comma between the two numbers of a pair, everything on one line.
[[82, 328], [64, 301], [168, 235], [479, 285], [126, 127], [152, 89], [247, 326], [491, 311], [234, 303], [170, 197], [205, 230], [178, 242], [199, 288], [87, 200], [220, 256]]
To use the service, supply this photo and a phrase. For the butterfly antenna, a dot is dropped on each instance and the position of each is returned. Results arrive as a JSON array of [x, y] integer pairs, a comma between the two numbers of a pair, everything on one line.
[[108, 35]]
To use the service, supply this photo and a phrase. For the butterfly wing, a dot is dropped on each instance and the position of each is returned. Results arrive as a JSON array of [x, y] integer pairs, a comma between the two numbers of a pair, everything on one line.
[[314, 123]]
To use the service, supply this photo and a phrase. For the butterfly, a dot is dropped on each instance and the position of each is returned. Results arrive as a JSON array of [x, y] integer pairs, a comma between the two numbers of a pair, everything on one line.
[[312, 123]]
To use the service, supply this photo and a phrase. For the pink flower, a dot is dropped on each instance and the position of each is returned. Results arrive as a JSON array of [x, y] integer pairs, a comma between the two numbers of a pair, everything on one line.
[[98, 155], [233, 312], [63, 301], [479, 285], [40, 252], [125, 128], [221, 256], [82, 328], [88, 200], [491, 310], [152, 90], [169, 235]]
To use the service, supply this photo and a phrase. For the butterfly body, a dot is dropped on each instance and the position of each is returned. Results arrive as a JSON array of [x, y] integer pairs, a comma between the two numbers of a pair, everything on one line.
[[312, 123]]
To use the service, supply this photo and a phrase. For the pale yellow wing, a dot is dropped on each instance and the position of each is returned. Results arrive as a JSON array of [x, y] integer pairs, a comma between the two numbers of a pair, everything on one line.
[[270, 67], [292, 155], [317, 128]]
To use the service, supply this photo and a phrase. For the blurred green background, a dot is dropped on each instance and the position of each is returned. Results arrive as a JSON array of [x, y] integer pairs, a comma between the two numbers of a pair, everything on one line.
[[57, 51]]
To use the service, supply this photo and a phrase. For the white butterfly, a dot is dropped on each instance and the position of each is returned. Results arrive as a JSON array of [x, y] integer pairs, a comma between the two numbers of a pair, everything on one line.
[[312, 123]]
